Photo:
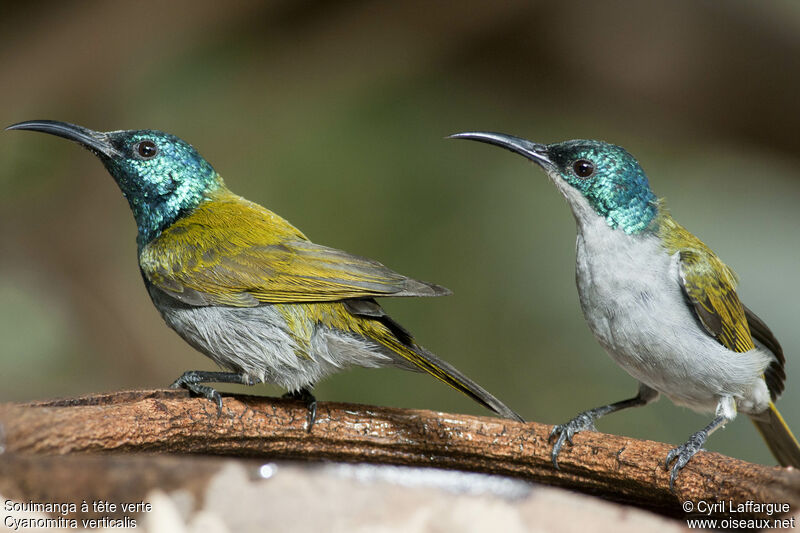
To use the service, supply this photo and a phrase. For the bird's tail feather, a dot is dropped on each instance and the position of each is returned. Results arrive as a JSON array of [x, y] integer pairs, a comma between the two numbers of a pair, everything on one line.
[[779, 438], [444, 371], [409, 355]]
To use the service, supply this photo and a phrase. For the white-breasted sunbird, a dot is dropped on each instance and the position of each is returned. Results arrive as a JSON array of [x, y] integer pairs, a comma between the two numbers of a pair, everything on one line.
[[659, 301]]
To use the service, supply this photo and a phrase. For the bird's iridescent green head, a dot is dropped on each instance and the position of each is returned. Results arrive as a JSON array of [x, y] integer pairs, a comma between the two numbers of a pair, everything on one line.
[[596, 178], [162, 176]]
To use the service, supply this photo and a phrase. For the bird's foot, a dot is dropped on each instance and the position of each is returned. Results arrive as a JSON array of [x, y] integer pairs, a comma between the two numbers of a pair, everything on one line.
[[564, 432], [683, 453], [191, 381], [305, 396]]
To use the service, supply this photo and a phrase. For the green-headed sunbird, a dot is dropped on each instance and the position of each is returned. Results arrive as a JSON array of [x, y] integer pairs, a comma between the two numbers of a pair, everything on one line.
[[246, 288]]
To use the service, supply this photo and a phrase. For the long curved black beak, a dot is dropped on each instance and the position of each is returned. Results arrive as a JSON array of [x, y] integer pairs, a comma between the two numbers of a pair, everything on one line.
[[530, 150], [96, 141]]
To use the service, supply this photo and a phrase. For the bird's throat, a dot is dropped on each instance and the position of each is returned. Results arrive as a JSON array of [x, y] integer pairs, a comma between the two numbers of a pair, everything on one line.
[[155, 213]]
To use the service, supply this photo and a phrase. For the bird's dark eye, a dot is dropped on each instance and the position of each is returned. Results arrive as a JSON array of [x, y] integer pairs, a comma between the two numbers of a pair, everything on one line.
[[583, 168], [146, 149]]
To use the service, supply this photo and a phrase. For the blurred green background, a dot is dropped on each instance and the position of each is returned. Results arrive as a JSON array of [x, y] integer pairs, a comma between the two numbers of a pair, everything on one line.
[[333, 114]]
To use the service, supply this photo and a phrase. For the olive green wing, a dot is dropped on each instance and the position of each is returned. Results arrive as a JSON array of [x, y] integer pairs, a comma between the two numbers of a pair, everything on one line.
[[710, 287], [240, 254]]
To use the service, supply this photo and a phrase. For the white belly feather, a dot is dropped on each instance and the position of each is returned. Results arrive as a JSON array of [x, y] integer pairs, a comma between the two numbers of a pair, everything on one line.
[[258, 342], [633, 302]]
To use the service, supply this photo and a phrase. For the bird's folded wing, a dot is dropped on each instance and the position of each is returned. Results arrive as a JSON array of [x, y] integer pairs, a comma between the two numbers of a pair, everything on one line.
[[775, 373], [710, 287], [244, 255]]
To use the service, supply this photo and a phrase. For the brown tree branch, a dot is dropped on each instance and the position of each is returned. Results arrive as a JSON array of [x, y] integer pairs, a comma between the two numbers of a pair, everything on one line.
[[614, 467]]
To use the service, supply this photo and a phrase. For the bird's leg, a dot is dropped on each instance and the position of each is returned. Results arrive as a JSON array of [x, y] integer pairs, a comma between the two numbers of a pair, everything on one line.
[[726, 411], [305, 396], [192, 380], [585, 420]]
